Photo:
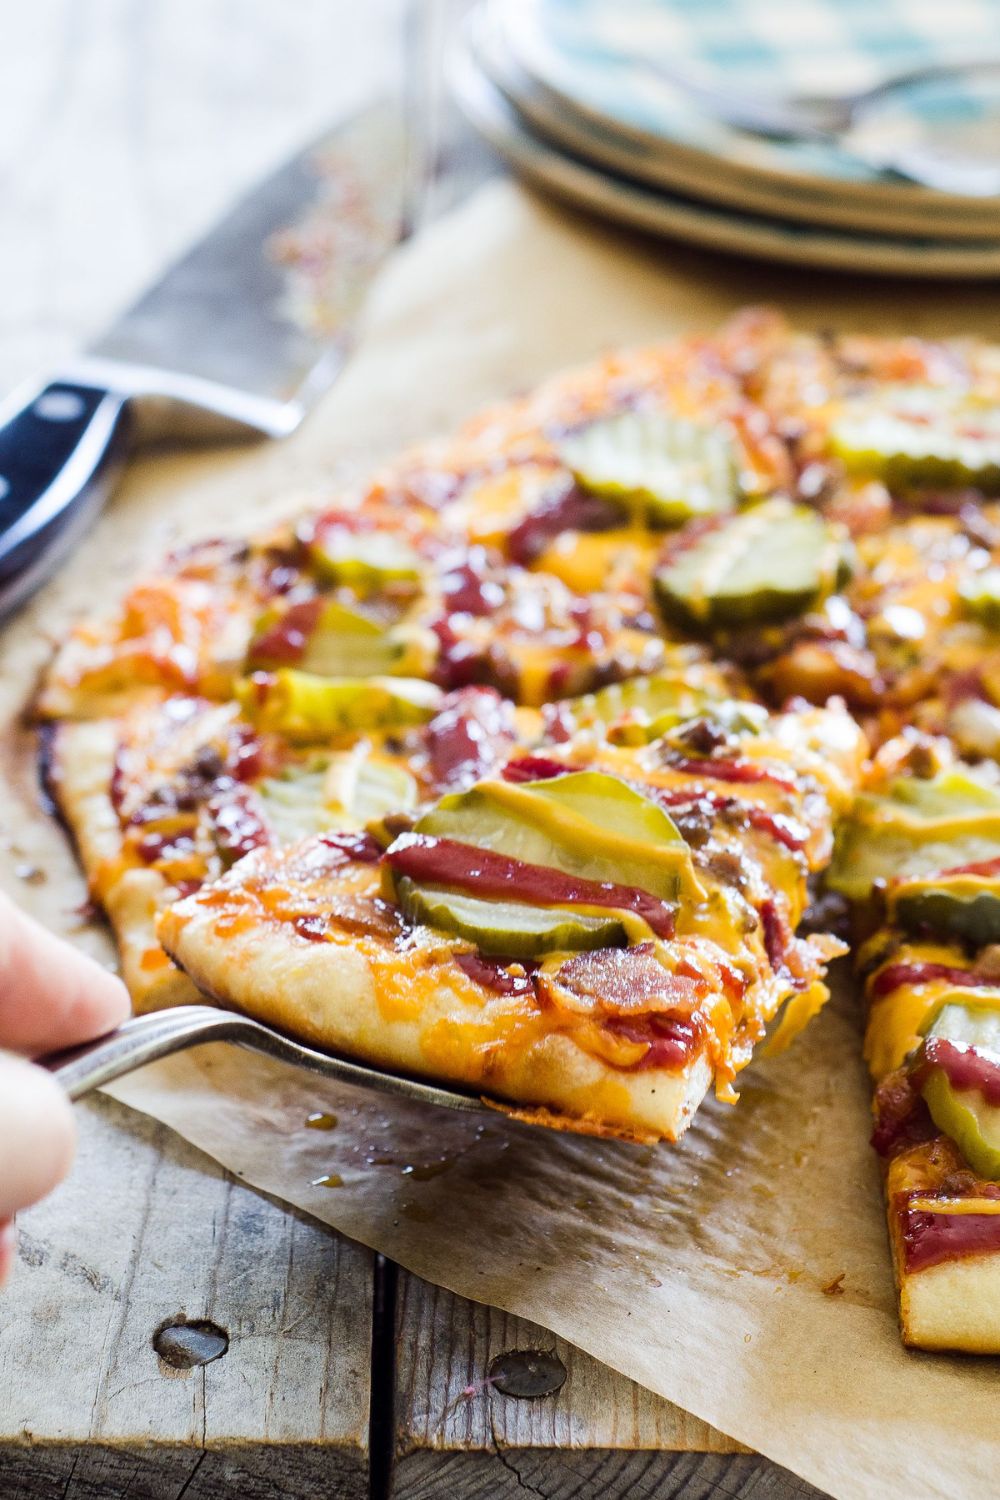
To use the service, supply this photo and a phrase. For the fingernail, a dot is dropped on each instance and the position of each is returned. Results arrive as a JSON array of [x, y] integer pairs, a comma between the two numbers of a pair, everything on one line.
[[8, 1246]]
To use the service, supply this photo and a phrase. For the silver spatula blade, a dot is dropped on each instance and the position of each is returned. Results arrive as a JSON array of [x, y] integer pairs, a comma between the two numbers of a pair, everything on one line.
[[263, 307]]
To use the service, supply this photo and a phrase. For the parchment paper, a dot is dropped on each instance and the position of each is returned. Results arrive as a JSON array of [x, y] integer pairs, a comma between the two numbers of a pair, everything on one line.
[[744, 1275]]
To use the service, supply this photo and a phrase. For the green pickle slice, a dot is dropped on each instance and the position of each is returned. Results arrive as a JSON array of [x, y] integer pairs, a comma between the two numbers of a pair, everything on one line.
[[587, 824], [643, 708], [764, 564], [365, 560], [912, 437], [346, 643], [964, 1114], [923, 826], [959, 906], [309, 709], [342, 789], [980, 594], [664, 468], [507, 929]]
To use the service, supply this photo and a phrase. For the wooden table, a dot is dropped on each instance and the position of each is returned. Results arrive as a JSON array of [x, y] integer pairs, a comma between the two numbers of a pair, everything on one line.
[[170, 1332]]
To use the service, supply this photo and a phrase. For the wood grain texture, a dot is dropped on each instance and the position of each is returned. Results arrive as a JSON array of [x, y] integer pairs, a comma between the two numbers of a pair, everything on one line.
[[600, 1437], [148, 1231]]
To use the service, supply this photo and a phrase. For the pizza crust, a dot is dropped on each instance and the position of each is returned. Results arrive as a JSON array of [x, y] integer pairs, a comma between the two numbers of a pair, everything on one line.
[[79, 764], [955, 1305], [324, 993]]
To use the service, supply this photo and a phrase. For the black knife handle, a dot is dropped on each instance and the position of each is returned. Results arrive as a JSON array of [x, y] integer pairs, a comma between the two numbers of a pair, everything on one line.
[[60, 451]]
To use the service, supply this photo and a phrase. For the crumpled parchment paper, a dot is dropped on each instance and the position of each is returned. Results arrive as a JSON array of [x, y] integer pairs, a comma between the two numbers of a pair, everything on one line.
[[744, 1274]]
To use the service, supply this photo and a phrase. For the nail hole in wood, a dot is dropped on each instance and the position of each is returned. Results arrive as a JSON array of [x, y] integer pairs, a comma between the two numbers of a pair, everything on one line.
[[527, 1373], [184, 1345]]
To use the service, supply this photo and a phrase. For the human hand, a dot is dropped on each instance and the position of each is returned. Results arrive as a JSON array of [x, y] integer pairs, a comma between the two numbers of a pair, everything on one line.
[[51, 996]]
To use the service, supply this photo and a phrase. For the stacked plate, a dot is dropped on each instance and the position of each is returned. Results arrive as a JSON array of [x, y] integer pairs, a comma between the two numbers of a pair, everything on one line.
[[579, 96]]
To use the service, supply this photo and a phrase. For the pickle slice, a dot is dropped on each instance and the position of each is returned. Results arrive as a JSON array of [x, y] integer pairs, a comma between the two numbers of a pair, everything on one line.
[[629, 710], [922, 827], [360, 787], [364, 560], [914, 437], [980, 593], [294, 802], [586, 823], [775, 560], [507, 929], [343, 789], [663, 468], [308, 709], [342, 642], [959, 906], [964, 1114]]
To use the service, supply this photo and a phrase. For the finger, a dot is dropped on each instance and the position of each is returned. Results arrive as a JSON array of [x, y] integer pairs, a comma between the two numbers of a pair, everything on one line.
[[51, 996], [7, 1247], [36, 1134]]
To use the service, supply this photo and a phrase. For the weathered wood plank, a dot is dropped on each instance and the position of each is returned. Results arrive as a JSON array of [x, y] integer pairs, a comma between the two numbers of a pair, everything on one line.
[[599, 1437], [149, 1232]]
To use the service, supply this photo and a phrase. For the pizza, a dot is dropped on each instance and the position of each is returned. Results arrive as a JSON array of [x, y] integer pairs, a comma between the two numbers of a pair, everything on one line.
[[599, 931], [918, 857], [555, 761]]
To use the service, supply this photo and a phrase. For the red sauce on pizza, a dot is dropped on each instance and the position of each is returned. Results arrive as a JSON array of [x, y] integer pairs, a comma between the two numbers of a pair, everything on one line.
[[744, 771], [284, 644], [494, 975], [534, 768], [469, 737], [895, 975], [447, 862], [468, 588], [238, 821], [349, 848], [929, 1239], [965, 1067], [571, 509], [901, 1117], [978, 867]]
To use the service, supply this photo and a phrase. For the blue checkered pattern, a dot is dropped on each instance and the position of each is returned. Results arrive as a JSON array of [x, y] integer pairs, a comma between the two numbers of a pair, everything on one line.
[[589, 50]]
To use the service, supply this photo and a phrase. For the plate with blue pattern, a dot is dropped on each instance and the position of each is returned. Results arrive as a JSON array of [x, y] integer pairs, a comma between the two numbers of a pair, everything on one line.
[[583, 74], [710, 225]]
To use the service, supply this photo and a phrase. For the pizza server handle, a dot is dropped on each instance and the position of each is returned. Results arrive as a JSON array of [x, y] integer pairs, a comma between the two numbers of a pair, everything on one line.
[[146, 1039], [61, 447]]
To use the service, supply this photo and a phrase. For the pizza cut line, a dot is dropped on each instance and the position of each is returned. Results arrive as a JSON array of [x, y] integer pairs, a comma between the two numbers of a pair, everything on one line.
[[542, 764]]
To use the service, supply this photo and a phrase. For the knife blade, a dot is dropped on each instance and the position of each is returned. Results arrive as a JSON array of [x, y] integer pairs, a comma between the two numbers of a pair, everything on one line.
[[239, 337]]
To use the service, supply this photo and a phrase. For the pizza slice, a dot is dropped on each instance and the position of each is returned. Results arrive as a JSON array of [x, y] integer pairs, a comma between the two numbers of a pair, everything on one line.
[[171, 794], [921, 849], [591, 936], [191, 625]]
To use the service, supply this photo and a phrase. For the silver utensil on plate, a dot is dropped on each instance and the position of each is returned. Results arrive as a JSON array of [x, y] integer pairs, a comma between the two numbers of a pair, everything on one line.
[[145, 1039], [831, 117]]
